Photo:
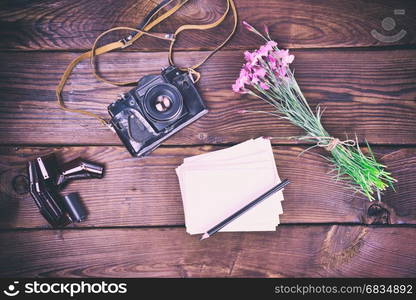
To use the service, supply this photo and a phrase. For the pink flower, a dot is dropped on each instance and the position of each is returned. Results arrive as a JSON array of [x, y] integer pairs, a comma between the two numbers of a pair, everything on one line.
[[267, 48], [244, 76], [264, 86], [271, 44], [272, 62], [252, 58], [281, 53], [279, 61], [259, 72], [282, 72], [248, 56], [238, 86], [248, 26], [263, 63], [255, 80], [266, 29], [288, 59], [263, 51], [284, 56]]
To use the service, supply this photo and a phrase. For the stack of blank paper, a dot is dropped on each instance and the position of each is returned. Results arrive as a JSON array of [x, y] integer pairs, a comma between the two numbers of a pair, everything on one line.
[[217, 184]]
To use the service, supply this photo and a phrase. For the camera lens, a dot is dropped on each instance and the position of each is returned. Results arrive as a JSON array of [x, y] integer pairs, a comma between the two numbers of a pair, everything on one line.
[[163, 102]]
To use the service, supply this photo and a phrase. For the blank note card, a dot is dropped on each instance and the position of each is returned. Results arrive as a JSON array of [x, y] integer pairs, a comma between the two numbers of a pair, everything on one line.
[[216, 184]]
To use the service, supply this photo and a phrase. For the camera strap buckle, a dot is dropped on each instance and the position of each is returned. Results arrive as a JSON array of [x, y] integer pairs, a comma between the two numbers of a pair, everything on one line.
[[127, 41]]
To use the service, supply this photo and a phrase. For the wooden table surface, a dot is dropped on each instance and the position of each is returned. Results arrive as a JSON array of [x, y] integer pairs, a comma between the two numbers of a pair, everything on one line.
[[136, 225]]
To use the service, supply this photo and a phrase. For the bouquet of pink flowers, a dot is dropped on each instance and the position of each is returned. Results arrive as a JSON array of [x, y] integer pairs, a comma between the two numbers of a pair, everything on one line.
[[266, 75]]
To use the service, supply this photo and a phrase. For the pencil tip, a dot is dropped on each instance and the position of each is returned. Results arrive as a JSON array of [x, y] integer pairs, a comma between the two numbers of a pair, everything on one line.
[[205, 236]]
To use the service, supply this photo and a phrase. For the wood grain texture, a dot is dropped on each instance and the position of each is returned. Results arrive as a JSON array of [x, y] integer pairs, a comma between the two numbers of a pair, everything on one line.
[[291, 251], [146, 192], [57, 25], [370, 93]]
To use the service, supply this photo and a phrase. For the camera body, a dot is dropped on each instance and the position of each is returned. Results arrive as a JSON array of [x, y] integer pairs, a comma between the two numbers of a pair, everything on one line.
[[157, 108]]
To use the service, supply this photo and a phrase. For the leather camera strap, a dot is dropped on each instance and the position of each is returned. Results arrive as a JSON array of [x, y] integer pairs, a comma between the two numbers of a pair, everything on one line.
[[136, 33]]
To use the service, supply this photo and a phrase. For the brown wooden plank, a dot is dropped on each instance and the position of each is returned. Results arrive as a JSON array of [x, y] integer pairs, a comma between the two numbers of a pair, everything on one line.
[[291, 251], [370, 93], [51, 25], [146, 192]]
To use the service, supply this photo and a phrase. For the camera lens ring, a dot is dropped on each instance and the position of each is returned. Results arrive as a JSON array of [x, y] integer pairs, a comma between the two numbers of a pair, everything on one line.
[[168, 111]]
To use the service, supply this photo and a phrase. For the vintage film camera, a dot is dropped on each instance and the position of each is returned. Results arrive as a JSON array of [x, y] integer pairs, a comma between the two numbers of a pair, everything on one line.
[[47, 179], [157, 108]]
